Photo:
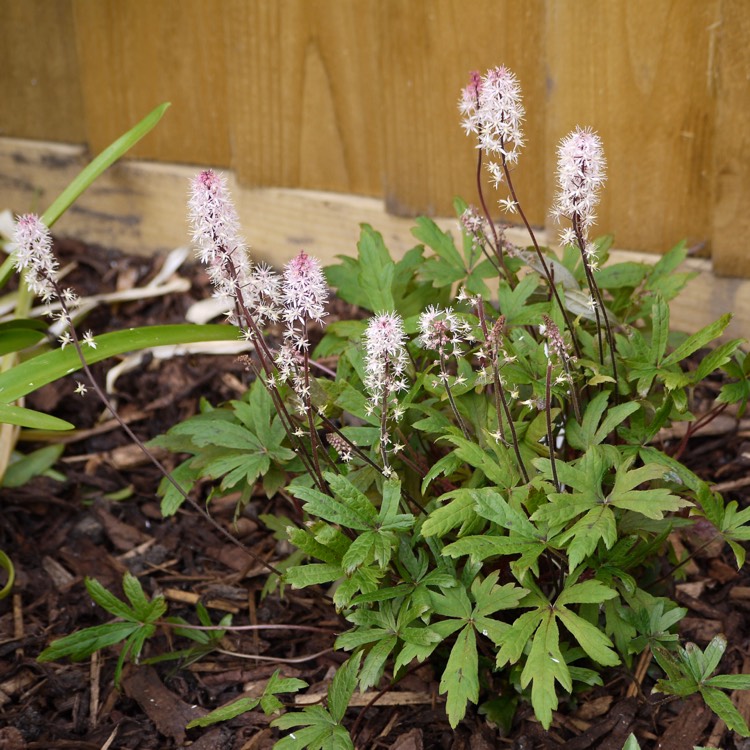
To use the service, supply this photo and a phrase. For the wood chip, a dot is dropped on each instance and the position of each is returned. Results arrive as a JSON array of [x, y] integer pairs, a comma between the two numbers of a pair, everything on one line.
[[169, 713], [688, 727], [60, 577], [593, 708], [189, 597], [392, 698]]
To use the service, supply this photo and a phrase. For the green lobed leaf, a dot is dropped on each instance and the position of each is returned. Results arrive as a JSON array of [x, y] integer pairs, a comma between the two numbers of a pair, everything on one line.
[[587, 592], [82, 644], [698, 340], [589, 638], [720, 704], [342, 687], [730, 681], [107, 600], [376, 270], [544, 665], [441, 242], [311, 574], [374, 664], [134, 591], [460, 678], [225, 713], [459, 511], [333, 510]]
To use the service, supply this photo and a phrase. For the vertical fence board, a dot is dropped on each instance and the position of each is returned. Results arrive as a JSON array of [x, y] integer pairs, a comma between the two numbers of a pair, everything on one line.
[[429, 48], [135, 55], [731, 209], [39, 71], [637, 71], [304, 94]]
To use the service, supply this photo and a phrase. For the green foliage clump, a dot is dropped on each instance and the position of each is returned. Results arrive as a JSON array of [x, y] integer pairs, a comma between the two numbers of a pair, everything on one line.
[[478, 479]]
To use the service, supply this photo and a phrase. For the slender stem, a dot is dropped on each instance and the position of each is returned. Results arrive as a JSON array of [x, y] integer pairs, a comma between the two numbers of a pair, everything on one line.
[[267, 361], [241, 628], [540, 255], [137, 441], [500, 393], [694, 427], [550, 434], [366, 459], [495, 244], [444, 377], [597, 296], [314, 440]]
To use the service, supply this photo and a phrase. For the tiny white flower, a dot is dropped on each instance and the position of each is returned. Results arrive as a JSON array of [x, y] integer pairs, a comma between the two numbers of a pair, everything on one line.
[[80, 389]]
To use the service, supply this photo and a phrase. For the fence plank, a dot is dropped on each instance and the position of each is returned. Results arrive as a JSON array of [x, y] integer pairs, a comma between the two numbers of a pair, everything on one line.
[[304, 94], [638, 72], [429, 47], [731, 209], [137, 54], [39, 71]]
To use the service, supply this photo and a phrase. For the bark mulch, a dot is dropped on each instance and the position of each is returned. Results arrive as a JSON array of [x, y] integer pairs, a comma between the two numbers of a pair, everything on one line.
[[103, 519]]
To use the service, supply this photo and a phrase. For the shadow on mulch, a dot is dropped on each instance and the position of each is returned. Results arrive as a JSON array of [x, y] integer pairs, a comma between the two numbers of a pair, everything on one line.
[[57, 533]]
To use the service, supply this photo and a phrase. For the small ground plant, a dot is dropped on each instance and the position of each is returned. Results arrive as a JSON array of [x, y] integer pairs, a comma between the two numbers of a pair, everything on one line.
[[479, 479]]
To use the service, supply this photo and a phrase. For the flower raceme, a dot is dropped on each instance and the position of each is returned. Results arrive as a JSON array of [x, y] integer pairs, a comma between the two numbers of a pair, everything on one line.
[[216, 232], [33, 255], [386, 358], [581, 172], [492, 110]]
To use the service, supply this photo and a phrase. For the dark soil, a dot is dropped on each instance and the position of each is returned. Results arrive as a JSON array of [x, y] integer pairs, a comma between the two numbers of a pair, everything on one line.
[[59, 532]]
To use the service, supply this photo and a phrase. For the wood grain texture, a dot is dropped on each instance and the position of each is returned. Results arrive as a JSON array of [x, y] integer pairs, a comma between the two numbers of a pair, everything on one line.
[[359, 96], [135, 55], [429, 49], [731, 208], [39, 71], [305, 101], [638, 72], [140, 207]]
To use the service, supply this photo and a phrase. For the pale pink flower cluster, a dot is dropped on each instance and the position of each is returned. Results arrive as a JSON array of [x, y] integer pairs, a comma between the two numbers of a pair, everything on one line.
[[216, 232], [581, 172], [32, 253], [304, 291], [443, 331], [475, 225], [385, 359], [303, 297], [493, 111], [297, 297]]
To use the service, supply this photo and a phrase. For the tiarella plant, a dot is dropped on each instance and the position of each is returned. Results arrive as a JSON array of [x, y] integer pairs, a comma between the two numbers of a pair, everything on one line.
[[480, 475]]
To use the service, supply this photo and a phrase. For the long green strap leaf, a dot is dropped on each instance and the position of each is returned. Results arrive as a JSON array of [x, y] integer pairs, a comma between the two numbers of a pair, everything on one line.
[[107, 157], [38, 371], [35, 420]]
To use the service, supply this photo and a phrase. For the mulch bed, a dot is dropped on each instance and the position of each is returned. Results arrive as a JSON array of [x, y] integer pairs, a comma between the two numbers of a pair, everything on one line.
[[57, 533]]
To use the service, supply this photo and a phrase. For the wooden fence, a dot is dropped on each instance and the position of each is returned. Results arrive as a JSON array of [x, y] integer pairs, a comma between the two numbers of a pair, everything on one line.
[[359, 96]]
